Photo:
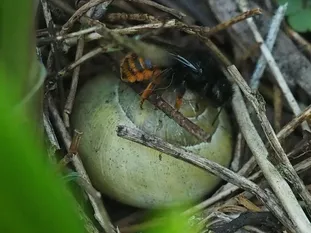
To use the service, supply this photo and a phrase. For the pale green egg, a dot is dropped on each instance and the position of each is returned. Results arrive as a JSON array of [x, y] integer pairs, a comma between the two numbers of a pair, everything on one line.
[[135, 174]]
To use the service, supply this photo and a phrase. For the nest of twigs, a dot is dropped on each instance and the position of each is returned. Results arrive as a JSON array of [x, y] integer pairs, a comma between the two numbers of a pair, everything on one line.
[[268, 183]]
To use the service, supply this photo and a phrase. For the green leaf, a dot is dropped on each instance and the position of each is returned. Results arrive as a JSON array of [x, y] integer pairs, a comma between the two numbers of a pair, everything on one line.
[[301, 21], [299, 14], [293, 7]]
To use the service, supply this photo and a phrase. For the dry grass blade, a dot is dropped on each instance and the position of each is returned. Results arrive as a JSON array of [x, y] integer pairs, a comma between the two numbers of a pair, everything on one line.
[[171, 11], [79, 13]]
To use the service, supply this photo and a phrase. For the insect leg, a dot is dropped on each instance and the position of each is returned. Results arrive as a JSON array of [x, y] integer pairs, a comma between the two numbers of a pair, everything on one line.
[[151, 86], [180, 92]]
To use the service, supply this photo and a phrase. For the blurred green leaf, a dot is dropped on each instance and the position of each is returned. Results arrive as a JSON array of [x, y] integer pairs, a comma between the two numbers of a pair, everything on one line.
[[293, 6], [299, 14], [33, 196], [301, 21], [174, 222]]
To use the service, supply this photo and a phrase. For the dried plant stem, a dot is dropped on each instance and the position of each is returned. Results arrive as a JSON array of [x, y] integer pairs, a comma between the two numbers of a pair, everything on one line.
[[78, 62], [270, 41], [210, 166], [236, 162], [273, 66], [278, 107], [100, 212], [285, 165], [232, 189], [73, 150], [179, 118], [237, 19], [171, 11], [170, 24], [54, 48], [74, 84], [79, 13], [299, 39], [293, 124], [129, 17], [276, 181], [249, 166], [48, 40]]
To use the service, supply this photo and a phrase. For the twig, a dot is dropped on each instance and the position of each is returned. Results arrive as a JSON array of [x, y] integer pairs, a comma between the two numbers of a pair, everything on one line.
[[171, 24], [210, 166], [78, 62], [276, 181], [100, 215], [304, 165], [247, 218], [74, 84], [54, 48], [237, 19], [73, 149], [286, 166], [299, 39], [293, 124], [282, 134], [274, 68], [303, 147], [259, 108], [131, 17], [171, 11], [50, 132], [236, 162], [96, 197], [179, 118], [278, 106], [270, 41], [48, 40], [81, 11], [232, 189]]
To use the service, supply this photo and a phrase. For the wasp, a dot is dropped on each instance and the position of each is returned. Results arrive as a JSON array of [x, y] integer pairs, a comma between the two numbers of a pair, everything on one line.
[[198, 72]]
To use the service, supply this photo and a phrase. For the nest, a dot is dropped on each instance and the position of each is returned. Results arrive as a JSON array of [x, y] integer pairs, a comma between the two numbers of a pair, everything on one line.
[[76, 40]]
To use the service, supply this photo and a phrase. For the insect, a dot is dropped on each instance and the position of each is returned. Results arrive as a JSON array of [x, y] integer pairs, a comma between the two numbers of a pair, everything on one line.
[[197, 72]]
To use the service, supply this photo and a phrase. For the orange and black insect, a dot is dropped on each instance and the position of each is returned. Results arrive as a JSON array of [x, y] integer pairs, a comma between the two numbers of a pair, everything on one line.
[[197, 72]]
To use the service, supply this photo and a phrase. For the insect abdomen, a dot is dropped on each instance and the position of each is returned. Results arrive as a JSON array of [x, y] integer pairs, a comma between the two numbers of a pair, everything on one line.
[[137, 69]]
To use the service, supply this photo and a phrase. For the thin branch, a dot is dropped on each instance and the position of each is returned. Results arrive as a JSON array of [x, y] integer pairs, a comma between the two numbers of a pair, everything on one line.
[[274, 67], [55, 51], [236, 162], [293, 124], [276, 181], [79, 13], [138, 136], [286, 167], [73, 150], [270, 41], [278, 107], [74, 84], [131, 17], [179, 118], [192, 29], [250, 165], [232, 189], [48, 40], [78, 62], [176, 13]]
